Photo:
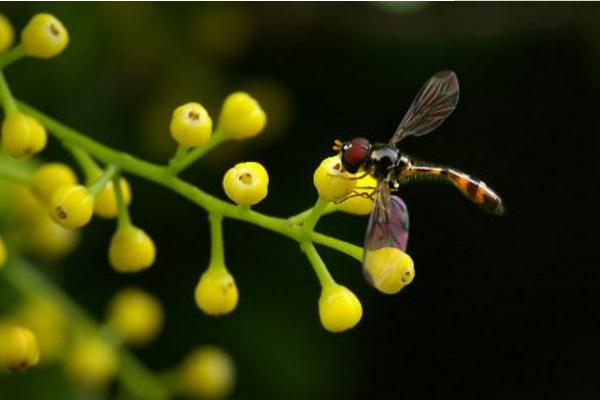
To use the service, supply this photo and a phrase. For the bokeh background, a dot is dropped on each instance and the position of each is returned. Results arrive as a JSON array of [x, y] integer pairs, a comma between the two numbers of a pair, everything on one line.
[[500, 307]]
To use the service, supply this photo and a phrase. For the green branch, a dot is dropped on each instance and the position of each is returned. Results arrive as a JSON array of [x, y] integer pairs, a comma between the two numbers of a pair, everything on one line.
[[164, 177]]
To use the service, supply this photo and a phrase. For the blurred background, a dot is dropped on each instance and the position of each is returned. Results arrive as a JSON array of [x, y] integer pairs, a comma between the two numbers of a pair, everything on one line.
[[500, 307]]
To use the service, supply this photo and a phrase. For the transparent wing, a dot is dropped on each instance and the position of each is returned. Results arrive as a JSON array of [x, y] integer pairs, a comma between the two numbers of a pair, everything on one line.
[[433, 104], [388, 223]]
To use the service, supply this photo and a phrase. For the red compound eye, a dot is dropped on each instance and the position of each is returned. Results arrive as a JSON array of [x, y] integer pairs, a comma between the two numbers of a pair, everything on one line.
[[355, 155]]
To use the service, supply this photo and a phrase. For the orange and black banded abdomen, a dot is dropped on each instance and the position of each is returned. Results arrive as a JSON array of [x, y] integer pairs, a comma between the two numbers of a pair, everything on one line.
[[473, 189]]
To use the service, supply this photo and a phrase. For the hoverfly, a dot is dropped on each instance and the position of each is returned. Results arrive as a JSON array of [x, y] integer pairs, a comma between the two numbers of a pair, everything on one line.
[[388, 223]]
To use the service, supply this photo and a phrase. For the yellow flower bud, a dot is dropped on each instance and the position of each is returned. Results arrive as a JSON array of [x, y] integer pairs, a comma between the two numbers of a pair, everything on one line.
[[241, 116], [105, 204], [72, 206], [48, 323], [7, 34], [331, 181], [135, 316], [131, 250], [44, 36], [2, 252], [360, 205], [18, 348], [247, 183], [339, 308], [50, 177], [91, 363], [216, 292], [22, 135], [388, 269], [208, 372], [49, 240], [191, 125], [24, 205]]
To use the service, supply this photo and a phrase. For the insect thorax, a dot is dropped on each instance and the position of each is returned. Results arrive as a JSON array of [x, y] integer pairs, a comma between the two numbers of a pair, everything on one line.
[[382, 160]]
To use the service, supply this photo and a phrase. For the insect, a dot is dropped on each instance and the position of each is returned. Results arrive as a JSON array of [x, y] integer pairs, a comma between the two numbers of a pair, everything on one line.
[[389, 223]]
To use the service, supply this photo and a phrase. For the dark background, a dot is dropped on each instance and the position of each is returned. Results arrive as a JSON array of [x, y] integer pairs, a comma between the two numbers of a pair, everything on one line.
[[501, 308]]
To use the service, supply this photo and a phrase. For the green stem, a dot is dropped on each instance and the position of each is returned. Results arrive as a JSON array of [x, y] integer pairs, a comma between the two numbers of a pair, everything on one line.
[[14, 54], [179, 165], [90, 168], [106, 176], [325, 278], [124, 220], [162, 176], [300, 217], [217, 251], [6, 98], [176, 159], [140, 381], [311, 221]]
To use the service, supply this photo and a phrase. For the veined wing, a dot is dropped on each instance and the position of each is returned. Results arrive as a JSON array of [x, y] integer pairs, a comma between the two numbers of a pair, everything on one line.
[[388, 223], [433, 104]]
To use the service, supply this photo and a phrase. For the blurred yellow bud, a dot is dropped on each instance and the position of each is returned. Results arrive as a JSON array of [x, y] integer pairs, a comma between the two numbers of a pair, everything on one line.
[[91, 363], [24, 205], [131, 250], [331, 181], [2, 252], [49, 240], [247, 183], [241, 116], [48, 322], [22, 135], [49, 177], [208, 372], [72, 206], [216, 292], [339, 308], [136, 316], [388, 269], [360, 205], [105, 204], [44, 36], [18, 348], [191, 125], [7, 34]]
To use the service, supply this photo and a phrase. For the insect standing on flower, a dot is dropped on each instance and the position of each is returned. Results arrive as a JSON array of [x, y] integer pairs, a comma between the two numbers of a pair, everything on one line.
[[388, 223]]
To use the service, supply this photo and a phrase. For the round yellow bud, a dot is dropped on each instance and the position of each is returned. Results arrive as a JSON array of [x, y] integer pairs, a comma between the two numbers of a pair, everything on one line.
[[331, 181], [72, 206], [216, 292], [339, 308], [105, 204], [247, 183], [360, 205], [91, 363], [2, 252], [48, 322], [131, 250], [18, 348], [388, 269], [241, 116], [44, 36], [50, 177], [136, 316], [22, 135], [191, 125], [7, 34], [208, 372], [49, 240]]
